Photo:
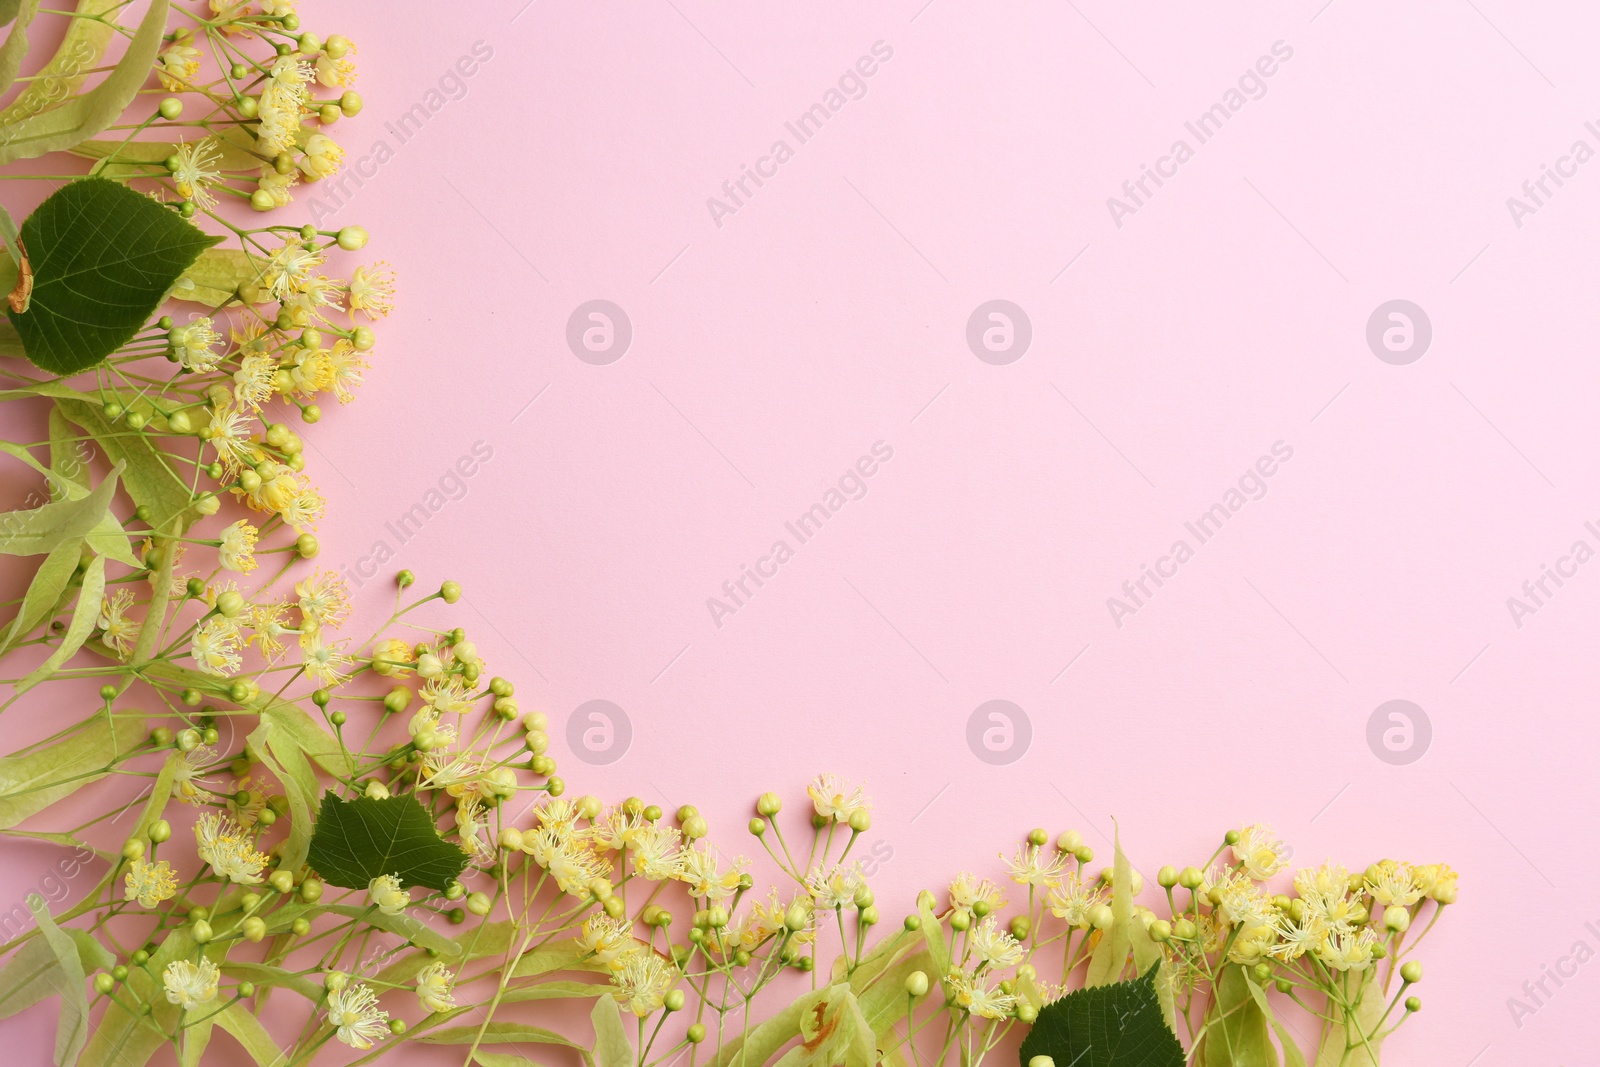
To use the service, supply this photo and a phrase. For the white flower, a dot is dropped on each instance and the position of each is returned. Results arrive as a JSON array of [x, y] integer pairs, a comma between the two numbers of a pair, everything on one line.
[[322, 158], [1260, 853], [386, 892], [216, 646], [196, 171], [188, 985], [836, 799], [609, 940], [221, 843], [642, 983], [993, 945], [434, 983], [354, 1014], [1032, 865], [836, 888]]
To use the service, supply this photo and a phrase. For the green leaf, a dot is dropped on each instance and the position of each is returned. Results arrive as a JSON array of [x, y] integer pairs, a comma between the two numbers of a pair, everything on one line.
[[84, 116], [1237, 1032], [8, 10], [72, 1026], [555, 990], [1116, 1025], [358, 840], [611, 1045], [32, 782], [103, 258]]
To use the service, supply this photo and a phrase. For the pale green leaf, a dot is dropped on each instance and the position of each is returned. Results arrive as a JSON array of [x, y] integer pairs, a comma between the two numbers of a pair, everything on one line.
[[1236, 1032], [1110, 957], [555, 990], [31, 782], [80, 50], [215, 277], [248, 1031], [84, 616], [37, 531], [1356, 1042], [486, 1058], [289, 765], [497, 1032], [15, 49], [46, 593], [148, 476], [611, 1045], [81, 117], [833, 1033], [419, 933], [67, 461], [933, 934], [196, 1036], [72, 1025]]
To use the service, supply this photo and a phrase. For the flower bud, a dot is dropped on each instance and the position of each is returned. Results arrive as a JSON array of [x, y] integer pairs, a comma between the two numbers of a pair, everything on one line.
[[1411, 972], [769, 804], [254, 928], [917, 984]]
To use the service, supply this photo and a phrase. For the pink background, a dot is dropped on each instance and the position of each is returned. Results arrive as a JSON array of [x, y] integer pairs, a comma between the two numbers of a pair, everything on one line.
[[829, 312]]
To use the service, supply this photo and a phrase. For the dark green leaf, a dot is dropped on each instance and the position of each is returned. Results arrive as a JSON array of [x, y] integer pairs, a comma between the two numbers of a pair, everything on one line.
[[1116, 1025], [103, 258], [357, 840]]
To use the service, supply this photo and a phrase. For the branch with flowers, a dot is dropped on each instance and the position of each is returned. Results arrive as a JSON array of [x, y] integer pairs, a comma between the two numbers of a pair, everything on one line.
[[367, 831]]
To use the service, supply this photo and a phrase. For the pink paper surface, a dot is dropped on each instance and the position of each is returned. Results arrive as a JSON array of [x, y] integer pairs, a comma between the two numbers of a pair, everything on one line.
[[1207, 324]]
